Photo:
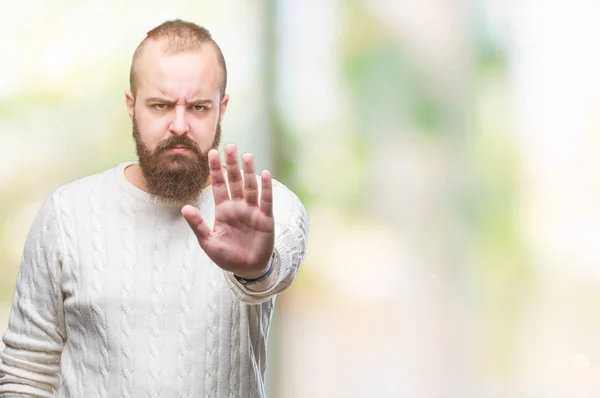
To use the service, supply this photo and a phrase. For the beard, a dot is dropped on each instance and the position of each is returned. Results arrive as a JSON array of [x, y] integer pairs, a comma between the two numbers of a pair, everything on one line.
[[175, 177]]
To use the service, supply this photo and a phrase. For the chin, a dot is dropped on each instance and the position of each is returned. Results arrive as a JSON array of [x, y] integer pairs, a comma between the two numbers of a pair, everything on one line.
[[177, 159]]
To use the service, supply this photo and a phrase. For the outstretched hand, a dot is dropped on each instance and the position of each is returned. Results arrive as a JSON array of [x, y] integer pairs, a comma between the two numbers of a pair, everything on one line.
[[242, 238]]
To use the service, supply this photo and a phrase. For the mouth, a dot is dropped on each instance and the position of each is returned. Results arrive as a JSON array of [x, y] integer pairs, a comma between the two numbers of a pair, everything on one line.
[[179, 149]]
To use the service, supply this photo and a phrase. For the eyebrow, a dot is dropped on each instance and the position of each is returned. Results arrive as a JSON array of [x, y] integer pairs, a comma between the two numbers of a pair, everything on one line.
[[205, 102], [168, 101], [158, 99]]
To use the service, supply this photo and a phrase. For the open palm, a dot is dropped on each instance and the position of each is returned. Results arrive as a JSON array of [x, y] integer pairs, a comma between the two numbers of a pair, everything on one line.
[[242, 238]]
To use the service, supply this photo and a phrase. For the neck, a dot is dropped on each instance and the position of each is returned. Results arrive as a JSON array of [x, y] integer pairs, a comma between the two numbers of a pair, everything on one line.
[[133, 174]]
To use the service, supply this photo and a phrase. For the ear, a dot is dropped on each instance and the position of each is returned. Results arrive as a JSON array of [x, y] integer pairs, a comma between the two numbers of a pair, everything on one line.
[[130, 102], [223, 107]]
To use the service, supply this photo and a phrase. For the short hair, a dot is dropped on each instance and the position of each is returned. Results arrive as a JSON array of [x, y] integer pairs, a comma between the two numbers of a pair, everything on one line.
[[181, 36]]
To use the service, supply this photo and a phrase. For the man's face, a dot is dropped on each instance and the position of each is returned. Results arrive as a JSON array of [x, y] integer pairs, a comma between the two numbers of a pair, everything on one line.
[[176, 118], [177, 169]]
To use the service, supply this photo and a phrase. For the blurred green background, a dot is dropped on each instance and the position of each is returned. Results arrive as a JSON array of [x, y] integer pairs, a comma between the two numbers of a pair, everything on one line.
[[447, 152]]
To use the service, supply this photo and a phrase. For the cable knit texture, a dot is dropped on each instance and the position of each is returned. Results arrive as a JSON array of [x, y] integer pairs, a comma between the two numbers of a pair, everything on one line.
[[115, 298]]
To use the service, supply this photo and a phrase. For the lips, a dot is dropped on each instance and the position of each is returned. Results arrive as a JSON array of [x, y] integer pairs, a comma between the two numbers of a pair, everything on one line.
[[179, 149]]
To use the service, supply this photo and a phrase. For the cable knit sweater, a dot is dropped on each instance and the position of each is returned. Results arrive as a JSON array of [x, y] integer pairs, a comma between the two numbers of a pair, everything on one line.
[[115, 298]]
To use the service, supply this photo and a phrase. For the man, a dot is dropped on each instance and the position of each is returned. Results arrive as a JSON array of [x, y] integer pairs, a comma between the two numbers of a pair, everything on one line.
[[157, 278]]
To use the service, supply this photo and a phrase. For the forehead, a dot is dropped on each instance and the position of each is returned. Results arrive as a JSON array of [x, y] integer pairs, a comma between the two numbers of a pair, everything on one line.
[[185, 74]]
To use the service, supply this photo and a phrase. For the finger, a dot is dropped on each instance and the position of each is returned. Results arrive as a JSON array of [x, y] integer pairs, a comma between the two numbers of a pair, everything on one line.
[[219, 186], [196, 223], [234, 175], [266, 196], [250, 184]]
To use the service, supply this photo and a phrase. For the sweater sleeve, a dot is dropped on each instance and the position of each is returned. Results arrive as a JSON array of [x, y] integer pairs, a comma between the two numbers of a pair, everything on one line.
[[291, 230], [30, 361]]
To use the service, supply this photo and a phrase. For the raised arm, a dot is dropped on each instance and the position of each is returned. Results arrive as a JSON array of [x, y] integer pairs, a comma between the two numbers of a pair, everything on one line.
[[260, 230]]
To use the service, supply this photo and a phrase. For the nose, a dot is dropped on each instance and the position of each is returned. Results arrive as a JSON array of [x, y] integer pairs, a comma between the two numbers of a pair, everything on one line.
[[179, 124]]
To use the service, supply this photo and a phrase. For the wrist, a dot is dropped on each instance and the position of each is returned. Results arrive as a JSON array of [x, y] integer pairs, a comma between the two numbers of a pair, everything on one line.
[[258, 277], [254, 274]]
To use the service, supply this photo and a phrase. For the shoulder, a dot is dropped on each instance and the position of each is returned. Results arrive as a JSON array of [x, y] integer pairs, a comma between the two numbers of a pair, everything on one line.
[[99, 181], [283, 194], [287, 206]]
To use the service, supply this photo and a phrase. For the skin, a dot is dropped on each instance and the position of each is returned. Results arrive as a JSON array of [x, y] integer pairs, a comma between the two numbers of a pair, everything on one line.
[[180, 94]]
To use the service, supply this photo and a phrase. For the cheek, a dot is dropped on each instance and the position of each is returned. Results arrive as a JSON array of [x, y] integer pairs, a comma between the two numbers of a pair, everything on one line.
[[204, 133], [152, 132]]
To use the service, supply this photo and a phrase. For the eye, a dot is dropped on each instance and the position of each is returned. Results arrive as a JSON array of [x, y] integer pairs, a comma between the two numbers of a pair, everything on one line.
[[159, 107], [199, 108]]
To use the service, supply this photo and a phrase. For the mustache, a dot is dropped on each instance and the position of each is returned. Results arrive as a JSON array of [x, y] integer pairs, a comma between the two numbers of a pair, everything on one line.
[[175, 141]]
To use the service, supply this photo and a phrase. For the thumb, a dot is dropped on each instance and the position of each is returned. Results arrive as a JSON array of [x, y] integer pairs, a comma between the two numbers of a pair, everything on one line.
[[196, 222]]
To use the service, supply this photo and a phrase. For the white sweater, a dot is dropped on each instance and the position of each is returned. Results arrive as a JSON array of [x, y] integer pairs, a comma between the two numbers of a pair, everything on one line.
[[115, 298]]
